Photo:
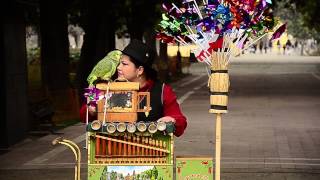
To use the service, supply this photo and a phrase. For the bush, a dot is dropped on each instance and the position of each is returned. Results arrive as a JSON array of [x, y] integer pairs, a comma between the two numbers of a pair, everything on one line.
[[33, 55]]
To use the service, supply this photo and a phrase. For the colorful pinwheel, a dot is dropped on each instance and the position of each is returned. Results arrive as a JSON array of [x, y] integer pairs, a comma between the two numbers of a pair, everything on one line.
[[243, 22]]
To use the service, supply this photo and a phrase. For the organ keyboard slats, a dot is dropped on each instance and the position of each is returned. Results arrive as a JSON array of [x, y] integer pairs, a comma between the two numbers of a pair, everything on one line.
[[130, 148]]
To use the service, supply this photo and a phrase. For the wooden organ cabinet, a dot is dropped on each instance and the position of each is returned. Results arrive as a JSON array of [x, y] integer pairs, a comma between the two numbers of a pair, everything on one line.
[[117, 140]]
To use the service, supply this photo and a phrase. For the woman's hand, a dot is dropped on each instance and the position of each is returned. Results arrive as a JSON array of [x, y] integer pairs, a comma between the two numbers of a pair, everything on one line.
[[92, 110], [167, 119]]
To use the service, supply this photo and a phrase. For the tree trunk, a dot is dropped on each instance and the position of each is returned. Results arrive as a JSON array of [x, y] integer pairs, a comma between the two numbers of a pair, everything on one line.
[[136, 20], [164, 64], [150, 37], [163, 52], [55, 60], [54, 45], [179, 61], [135, 31], [14, 116], [99, 39]]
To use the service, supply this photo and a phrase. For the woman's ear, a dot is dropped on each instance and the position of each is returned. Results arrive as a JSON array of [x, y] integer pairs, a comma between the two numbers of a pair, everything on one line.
[[140, 70]]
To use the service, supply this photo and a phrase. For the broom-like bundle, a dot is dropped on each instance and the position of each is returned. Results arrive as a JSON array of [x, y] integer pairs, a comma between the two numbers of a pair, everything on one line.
[[219, 83], [219, 79]]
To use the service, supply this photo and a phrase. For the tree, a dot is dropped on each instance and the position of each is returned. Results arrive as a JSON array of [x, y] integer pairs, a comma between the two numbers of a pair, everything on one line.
[[113, 175], [295, 15], [141, 19], [163, 62], [13, 70], [148, 173], [309, 10], [99, 25], [140, 16], [302, 16], [54, 45], [155, 172]]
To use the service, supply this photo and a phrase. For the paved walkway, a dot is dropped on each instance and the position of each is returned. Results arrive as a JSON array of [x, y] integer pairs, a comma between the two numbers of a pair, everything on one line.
[[272, 151]]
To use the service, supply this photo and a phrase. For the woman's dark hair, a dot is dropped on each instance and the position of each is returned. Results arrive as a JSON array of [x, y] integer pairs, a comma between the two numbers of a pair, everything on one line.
[[149, 71]]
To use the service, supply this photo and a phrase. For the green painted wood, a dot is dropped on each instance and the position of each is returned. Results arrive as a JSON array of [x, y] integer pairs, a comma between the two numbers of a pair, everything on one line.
[[194, 168]]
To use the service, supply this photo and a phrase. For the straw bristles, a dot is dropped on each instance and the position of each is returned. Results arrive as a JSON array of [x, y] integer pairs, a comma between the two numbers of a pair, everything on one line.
[[220, 61], [218, 111], [219, 82], [219, 100]]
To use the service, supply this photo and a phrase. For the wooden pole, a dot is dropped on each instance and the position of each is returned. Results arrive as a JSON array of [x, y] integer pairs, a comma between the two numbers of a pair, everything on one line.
[[218, 146]]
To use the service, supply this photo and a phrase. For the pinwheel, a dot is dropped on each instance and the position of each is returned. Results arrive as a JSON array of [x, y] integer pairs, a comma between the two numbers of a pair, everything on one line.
[[220, 29], [92, 96], [279, 32]]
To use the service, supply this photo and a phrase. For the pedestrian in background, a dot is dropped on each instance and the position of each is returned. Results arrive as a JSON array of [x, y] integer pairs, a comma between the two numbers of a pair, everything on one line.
[[284, 46], [270, 46], [279, 46], [261, 46]]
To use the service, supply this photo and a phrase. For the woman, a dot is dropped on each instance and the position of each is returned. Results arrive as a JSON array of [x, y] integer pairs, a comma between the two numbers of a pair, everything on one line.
[[136, 66]]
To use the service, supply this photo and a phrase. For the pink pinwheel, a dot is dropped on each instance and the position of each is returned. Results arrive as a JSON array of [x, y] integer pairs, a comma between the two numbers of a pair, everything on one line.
[[277, 34]]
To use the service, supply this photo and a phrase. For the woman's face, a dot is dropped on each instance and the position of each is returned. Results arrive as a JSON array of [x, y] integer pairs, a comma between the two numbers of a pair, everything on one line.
[[127, 69]]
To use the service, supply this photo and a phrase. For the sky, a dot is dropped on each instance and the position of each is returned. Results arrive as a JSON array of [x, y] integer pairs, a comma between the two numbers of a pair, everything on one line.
[[128, 169]]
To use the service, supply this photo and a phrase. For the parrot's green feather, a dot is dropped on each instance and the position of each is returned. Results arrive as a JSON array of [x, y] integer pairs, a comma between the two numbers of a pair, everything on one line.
[[105, 68]]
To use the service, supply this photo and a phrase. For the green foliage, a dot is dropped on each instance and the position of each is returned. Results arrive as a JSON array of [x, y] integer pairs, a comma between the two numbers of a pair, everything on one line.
[[139, 16], [33, 55], [74, 54], [296, 24], [149, 173], [309, 10], [155, 172], [75, 15], [113, 175], [301, 17], [31, 12]]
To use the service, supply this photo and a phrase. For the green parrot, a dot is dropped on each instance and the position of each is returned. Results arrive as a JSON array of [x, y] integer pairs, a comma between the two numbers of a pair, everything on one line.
[[105, 68]]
